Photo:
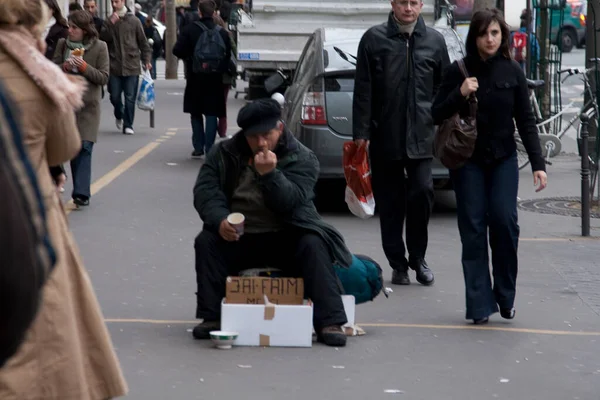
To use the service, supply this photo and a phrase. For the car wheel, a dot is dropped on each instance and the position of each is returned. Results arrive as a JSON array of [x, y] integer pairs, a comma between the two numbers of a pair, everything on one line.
[[568, 40]]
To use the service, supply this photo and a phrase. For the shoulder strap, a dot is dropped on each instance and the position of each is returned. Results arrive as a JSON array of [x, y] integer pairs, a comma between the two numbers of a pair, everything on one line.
[[201, 25], [462, 67]]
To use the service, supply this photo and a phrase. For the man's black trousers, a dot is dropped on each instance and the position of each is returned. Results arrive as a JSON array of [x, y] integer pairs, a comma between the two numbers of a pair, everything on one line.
[[403, 189], [297, 253]]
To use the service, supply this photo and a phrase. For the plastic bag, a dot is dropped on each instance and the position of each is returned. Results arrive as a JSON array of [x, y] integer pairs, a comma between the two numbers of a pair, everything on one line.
[[146, 97], [359, 193]]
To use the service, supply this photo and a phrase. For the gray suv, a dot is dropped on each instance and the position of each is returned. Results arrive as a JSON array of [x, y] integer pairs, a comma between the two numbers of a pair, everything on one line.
[[318, 102]]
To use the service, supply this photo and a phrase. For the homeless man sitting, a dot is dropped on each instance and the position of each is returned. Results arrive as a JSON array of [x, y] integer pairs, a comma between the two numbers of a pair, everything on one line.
[[267, 175]]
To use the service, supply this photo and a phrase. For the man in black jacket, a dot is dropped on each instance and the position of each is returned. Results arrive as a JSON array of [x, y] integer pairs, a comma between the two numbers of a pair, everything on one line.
[[398, 72], [266, 174], [204, 98], [91, 7]]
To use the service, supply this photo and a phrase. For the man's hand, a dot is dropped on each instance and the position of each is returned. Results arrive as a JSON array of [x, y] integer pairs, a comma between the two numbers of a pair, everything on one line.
[[360, 142], [540, 179], [469, 86], [265, 162], [228, 232], [149, 67], [114, 17], [60, 182]]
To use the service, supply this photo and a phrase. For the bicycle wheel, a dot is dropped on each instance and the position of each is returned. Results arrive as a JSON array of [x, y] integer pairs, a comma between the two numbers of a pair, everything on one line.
[[522, 156]]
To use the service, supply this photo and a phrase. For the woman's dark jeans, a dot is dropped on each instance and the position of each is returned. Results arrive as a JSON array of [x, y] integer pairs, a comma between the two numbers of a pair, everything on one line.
[[486, 197], [81, 169]]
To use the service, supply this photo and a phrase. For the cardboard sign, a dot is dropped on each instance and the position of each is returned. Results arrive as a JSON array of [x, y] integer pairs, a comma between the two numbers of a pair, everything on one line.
[[251, 290]]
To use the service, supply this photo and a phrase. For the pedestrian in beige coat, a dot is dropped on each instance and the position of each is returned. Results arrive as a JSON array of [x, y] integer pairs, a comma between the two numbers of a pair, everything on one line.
[[67, 353], [83, 54]]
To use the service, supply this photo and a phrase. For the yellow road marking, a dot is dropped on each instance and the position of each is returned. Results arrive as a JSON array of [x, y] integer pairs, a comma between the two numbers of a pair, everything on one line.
[[105, 180], [383, 325], [165, 137], [160, 140], [171, 133]]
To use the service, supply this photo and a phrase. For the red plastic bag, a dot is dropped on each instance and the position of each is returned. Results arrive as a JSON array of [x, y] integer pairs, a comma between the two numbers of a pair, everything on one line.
[[359, 193]]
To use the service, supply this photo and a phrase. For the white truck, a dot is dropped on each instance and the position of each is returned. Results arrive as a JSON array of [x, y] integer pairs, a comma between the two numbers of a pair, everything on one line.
[[272, 33]]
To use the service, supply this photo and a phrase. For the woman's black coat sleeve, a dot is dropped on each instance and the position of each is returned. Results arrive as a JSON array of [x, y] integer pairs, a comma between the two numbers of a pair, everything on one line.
[[526, 122]]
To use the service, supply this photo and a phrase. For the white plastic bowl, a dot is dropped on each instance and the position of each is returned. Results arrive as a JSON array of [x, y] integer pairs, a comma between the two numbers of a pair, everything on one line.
[[223, 339]]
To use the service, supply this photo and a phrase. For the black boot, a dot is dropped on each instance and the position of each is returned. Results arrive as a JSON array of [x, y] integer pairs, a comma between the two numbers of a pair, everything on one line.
[[424, 274], [507, 313], [400, 277], [202, 331]]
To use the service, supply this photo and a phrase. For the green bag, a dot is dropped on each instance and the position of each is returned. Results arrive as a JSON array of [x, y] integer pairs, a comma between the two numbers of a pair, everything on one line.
[[363, 279]]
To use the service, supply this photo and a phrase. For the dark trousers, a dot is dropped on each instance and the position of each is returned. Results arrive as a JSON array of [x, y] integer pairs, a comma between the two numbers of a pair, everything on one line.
[[297, 253], [223, 119], [81, 169], [203, 139], [401, 196], [486, 197], [127, 85]]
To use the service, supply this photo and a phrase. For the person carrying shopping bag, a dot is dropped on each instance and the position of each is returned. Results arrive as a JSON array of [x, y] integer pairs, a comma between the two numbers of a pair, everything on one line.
[[486, 185], [83, 54]]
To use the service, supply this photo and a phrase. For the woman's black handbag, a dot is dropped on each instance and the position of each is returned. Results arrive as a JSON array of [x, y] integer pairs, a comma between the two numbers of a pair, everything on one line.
[[455, 138]]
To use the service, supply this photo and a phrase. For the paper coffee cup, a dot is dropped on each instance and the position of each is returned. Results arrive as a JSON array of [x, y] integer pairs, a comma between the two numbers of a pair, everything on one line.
[[237, 221]]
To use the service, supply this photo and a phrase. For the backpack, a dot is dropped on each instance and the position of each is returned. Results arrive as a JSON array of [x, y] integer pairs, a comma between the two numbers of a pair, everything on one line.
[[209, 51], [518, 46], [363, 279]]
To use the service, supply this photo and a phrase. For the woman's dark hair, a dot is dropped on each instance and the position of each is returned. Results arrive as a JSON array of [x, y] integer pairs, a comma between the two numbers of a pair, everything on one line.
[[84, 20], [149, 22], [479, 24], [56, 12]]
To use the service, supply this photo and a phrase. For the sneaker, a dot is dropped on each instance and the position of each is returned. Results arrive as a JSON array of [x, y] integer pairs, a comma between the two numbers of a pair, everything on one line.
[[119, 123], [333, 335], [202, 331], [197, 154], [128, 131]]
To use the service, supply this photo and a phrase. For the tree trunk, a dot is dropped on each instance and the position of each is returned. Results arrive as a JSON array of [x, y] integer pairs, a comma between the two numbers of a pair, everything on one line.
[[479, 5], [171, 33]]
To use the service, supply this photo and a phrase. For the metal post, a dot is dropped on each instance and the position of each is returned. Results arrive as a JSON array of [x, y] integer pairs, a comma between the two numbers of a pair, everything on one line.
[[585, 177], [151, 118]]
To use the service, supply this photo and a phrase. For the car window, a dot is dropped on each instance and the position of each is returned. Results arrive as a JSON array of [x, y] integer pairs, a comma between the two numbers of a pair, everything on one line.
[[306, 61], [334, 61]]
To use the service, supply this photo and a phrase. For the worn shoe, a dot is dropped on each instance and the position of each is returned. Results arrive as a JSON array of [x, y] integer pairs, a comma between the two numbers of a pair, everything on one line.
[[81, 202], [400, 277], [197, 154], [128, 131], [481, 321], [119, 123], [507, 313], [424, 274], [332, 336], [202, 331]]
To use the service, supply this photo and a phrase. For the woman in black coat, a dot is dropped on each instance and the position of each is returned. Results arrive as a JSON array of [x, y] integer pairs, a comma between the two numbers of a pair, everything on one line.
[[59, 30], [486, 186]]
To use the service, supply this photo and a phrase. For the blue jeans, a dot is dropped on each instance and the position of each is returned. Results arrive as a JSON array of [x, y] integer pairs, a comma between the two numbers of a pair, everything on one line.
[[201, 139], [486, 197], [81, 169], [153, 71], [117, 85]]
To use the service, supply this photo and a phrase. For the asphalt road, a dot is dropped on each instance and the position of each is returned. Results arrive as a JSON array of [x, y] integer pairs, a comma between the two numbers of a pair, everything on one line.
[[136, 239]]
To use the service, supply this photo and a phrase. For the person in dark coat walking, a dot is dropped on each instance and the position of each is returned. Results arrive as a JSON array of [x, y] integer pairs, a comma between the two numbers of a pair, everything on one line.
[[398, 72], [266, 174], [487, 185], [204, 96], [92, 7], [58, 30]]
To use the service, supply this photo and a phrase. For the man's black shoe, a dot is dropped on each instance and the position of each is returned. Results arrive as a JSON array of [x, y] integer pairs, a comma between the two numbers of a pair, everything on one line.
[[202, 331], [333, 335], [424, 274], [197, 154], [400, 277]]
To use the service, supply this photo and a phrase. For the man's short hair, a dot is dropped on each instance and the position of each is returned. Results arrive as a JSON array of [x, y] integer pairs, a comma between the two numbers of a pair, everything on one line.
[[207, 8], [75, 7]]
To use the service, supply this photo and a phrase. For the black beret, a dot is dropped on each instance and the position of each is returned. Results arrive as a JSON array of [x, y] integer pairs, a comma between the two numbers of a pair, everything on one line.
[[260, 116]]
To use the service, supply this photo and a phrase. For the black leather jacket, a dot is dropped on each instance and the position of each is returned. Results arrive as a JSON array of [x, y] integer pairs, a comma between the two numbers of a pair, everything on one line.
[[396, 80], [503, 98]]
